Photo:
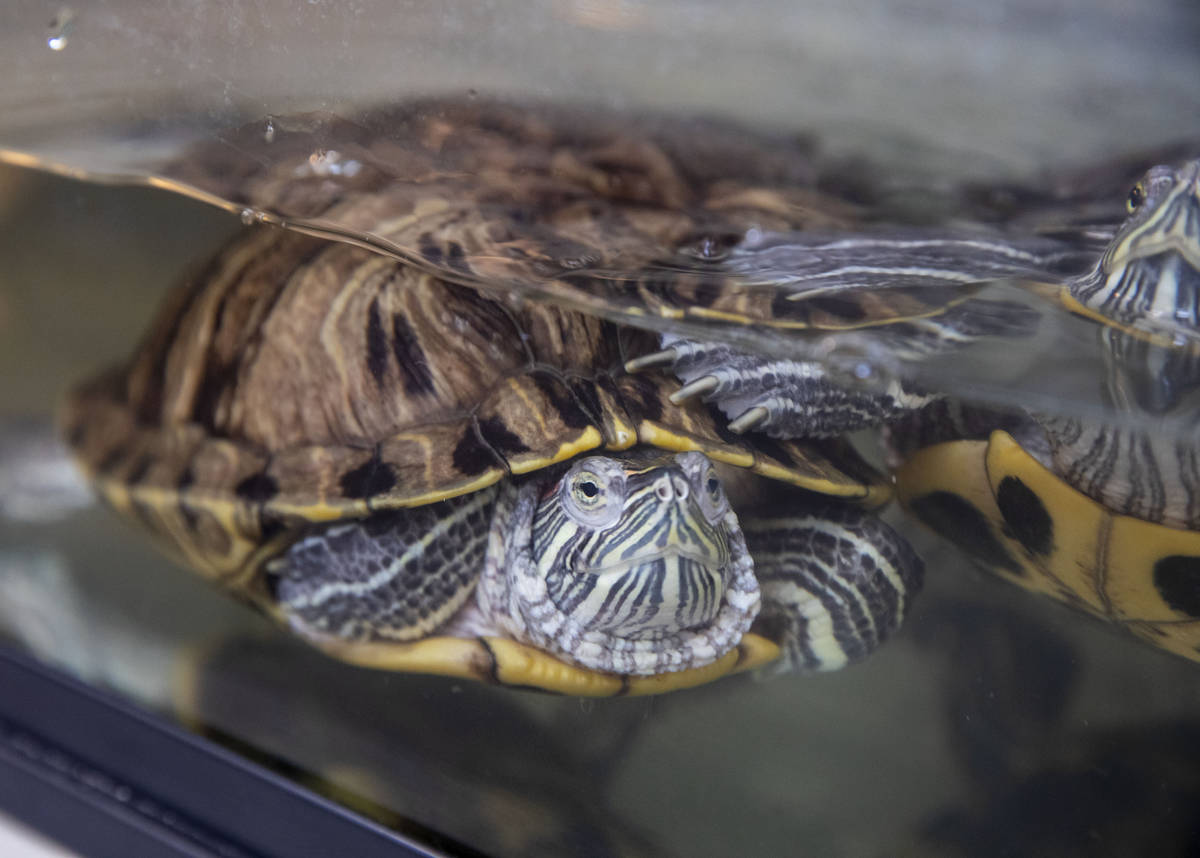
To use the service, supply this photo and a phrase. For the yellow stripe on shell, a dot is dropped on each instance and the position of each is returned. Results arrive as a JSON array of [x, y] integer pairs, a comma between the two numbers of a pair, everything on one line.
[[330, 336], [589, 439], [178, 540], [869, 495], [321, 511], [533, 409], [488, 478], [665, 439]]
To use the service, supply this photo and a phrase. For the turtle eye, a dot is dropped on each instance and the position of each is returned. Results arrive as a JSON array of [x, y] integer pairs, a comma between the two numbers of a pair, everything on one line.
[[587, 490], [714, 502], [1137, 196], [593, 496]]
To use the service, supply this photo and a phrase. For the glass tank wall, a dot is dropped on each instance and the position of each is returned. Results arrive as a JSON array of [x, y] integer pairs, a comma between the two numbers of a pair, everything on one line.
[[995, 720]]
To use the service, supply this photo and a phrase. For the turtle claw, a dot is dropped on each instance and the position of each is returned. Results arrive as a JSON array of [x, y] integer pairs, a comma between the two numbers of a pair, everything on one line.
[[778, 397], [700, 387], [666, 357], [750, 419]]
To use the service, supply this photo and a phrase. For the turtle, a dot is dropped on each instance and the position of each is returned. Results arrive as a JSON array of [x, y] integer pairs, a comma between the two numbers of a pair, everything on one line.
[[692, 227], [1096, 511], [416, 469], [639, 223], [1099, 512]]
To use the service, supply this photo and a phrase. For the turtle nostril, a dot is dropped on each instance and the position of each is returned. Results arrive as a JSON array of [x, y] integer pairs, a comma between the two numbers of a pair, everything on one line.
[[662, 488], [681, 487]]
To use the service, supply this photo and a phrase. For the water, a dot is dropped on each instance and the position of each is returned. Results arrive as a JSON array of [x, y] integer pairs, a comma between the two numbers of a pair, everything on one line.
[[994, 718]]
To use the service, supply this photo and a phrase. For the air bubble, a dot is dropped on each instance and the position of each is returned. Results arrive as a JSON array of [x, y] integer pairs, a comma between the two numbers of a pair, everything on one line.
[[60, 29], [269, 132], [329, 162], [249, 217]]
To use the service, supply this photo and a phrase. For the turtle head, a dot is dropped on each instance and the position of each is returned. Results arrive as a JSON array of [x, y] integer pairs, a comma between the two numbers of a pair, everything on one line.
[[640, 565], [1149, 276]]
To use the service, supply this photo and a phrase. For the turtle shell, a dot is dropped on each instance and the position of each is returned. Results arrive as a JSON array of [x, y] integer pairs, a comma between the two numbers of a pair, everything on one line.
[[1022, 521], [390, 347], [297, 381], [642, 218]]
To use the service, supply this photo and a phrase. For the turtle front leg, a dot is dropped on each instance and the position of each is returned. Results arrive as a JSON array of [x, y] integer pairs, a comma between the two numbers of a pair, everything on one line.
[[836, 583], [782, 398], [393, 577]]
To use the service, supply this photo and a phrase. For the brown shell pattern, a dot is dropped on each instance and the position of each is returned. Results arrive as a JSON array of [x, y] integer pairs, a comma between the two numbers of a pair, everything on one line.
[[299, 380], [620, 214]]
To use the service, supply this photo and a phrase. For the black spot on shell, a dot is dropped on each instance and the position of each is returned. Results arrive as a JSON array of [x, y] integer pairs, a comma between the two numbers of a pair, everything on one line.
[[1026, 516], [568, 408], [140, 468], [456, 258], [472, 456], [959, 521], [270, 527], [429, 249], [661, 285], [410, 357], [782, 308], [257, 488], [1177, 579], [370, 479], [708, 290], [502, 439], [112, 458], [642, 398], [584, 391], [377, 345], [840, 308]]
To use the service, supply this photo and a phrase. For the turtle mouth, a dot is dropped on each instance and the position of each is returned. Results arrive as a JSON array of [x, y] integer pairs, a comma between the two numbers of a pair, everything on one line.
[[671, 552], [650, 597]]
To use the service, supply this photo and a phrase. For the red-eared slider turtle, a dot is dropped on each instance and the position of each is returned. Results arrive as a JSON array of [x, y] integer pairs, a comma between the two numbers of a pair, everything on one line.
[[1102, 513], [416, 473]]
